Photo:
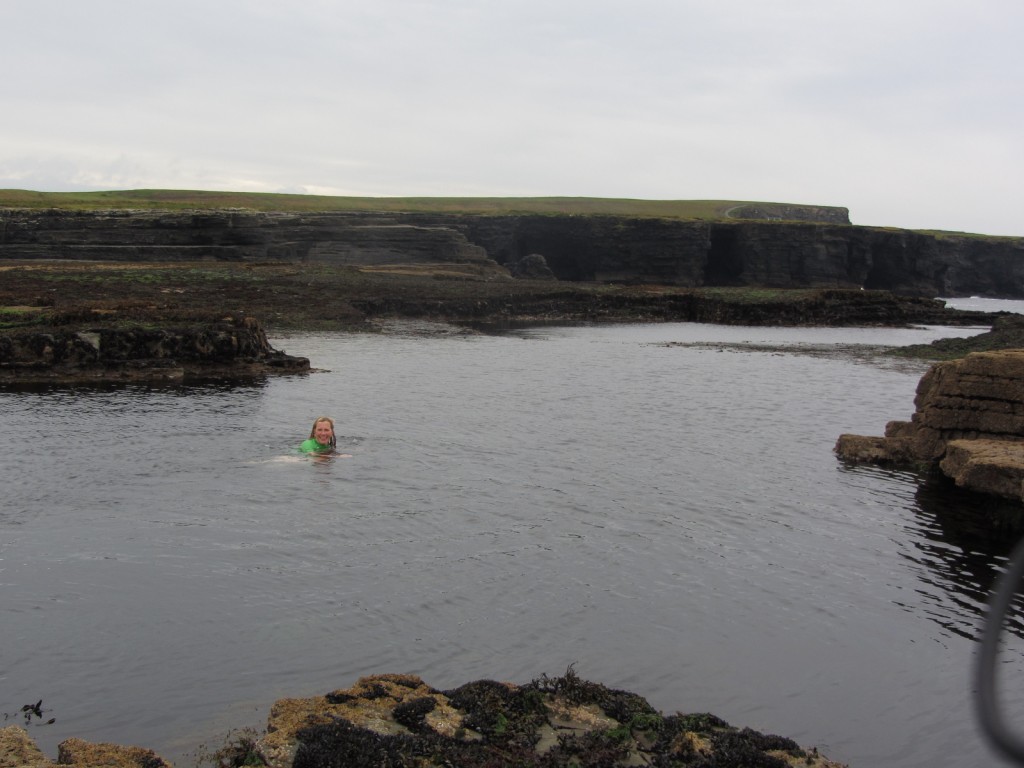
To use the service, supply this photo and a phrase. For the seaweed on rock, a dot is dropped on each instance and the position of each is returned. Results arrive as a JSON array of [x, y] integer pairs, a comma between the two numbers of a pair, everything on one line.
[[548, 723]]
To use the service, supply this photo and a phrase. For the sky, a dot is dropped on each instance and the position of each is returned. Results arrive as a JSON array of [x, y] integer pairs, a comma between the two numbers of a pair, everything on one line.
[[907, 112]]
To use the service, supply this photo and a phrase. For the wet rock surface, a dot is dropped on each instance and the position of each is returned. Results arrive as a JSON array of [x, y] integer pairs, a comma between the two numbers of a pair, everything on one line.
[[1007, 333], [968, 423], [228, 348], [18, 750], [399, 721], [75, 295]]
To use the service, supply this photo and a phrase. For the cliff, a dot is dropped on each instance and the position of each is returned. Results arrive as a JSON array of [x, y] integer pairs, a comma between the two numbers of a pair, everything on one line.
[[228, 348], [968, 423], [603, 248]]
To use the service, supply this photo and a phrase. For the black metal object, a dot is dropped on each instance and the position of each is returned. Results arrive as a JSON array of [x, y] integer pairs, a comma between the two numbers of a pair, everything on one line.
[[991, 717]]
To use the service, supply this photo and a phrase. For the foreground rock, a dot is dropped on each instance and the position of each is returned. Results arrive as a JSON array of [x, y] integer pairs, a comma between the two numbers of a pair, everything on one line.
[[398, 720], [230, 348], [969, 423], [18, 750]]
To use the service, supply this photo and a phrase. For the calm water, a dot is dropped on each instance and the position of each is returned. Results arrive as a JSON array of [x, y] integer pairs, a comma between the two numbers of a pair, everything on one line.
[[670, 518]]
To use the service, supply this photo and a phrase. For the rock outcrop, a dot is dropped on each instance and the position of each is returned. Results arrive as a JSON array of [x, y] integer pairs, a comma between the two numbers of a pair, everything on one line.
[[533, 266], [969, 423], [1007, 333], [230, 348], [399, 721], [601, 248], [18, 750]]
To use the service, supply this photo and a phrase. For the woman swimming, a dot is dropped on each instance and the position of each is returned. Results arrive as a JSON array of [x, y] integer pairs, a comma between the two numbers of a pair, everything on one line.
[[321, 437], [322, 440]]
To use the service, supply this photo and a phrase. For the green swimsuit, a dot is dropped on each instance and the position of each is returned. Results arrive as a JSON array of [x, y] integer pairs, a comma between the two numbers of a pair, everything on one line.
[[312, 446]]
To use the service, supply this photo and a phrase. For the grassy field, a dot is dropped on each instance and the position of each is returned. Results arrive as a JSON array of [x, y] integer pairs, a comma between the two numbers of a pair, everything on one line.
[[169, 199]]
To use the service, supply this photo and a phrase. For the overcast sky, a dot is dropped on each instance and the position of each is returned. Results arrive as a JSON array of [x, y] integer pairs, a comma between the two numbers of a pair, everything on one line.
[[908, 112]]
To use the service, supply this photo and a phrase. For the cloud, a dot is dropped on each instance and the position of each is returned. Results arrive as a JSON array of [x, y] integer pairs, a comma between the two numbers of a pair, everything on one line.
[[906, 113]]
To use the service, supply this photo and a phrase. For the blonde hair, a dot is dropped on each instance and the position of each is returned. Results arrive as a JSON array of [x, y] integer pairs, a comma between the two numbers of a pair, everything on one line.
[[329, 420]]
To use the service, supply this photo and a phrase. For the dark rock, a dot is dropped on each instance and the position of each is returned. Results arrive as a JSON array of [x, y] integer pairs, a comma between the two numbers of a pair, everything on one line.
[[533, 266], [411, 713], [766, 252], [548, 723], [1007, 333], [229, 348], [746, 253], [397, 721], [230, 236]]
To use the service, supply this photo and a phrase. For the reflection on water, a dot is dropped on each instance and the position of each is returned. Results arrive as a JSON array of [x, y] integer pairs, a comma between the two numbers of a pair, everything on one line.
[[668, 516], [979, 304], [966, 541]]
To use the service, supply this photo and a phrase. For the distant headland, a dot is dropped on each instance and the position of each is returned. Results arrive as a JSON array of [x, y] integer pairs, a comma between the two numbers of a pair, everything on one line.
[[688, 244], [101, 285]]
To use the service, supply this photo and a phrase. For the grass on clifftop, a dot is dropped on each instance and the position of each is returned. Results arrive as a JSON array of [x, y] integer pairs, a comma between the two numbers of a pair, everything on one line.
[[170, 199]]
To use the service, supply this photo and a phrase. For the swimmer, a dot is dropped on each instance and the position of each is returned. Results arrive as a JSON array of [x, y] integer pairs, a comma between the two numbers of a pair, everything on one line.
[[321, 438]]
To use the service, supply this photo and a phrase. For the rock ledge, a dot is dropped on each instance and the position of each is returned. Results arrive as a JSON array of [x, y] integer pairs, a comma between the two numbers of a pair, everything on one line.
[[398, 721], [968, 423], [229, 348]]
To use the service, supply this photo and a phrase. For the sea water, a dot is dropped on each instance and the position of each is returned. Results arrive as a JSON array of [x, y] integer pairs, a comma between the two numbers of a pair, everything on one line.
[[657, 505]]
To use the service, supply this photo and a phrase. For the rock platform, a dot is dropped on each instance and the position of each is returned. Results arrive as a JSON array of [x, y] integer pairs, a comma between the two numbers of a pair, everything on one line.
[[228, 348], [397, 720], [968, 423]]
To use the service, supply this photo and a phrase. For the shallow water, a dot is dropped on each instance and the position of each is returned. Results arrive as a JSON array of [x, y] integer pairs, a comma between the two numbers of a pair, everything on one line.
[[982, 304], [646, 502]]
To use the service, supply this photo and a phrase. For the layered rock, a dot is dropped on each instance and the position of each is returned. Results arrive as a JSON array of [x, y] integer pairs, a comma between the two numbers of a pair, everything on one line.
[[604, 248], [230, 348], [968, 422], [763, 253], [230, 236]]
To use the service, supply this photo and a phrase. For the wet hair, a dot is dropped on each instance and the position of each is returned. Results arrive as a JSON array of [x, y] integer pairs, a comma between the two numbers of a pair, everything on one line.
[[329, 420]]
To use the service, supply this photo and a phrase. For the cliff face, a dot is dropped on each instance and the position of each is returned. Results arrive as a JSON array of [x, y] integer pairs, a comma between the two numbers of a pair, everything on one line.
[[579, 248], [969, 421], [777, 254], [228, 236]]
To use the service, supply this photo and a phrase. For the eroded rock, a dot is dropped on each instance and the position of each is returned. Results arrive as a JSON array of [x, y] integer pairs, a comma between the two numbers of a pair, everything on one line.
[[968, 422], [77, 752], [398, 720], [230, 347], [19, 750]]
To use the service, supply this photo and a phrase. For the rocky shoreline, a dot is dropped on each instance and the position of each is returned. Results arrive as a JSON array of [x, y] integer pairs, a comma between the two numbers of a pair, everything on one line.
[[77, 322], [228, 348], [968, 424], [398, 721]]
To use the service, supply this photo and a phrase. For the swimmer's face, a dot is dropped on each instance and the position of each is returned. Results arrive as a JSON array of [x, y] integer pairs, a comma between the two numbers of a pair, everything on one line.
[[323, 432]]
